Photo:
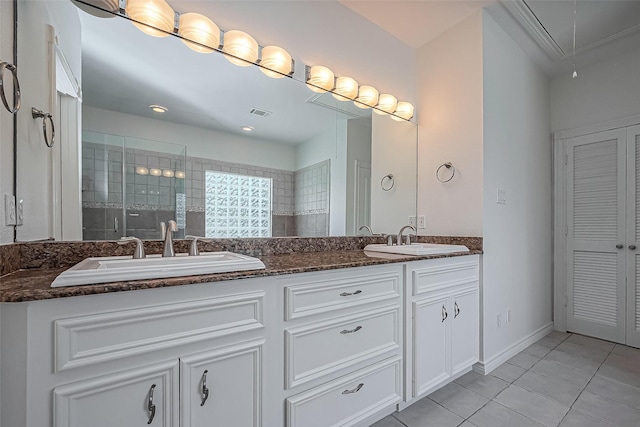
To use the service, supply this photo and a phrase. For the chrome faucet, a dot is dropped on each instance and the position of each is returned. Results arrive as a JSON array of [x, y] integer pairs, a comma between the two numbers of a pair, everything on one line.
[[193, 249], [139, 251], [167, 235], [399, 237], [366, 227]]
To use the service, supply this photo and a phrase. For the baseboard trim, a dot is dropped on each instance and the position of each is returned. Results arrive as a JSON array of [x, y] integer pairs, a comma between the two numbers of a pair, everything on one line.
[[485, 367]]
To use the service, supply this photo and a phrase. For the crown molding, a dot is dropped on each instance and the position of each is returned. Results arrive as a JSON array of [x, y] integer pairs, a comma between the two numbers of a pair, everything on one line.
[[530, 23]]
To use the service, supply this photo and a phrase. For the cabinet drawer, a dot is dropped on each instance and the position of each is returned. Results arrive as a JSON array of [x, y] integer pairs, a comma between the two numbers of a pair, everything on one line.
[[321, 348], [445, 272], [350, 399], [97, 338], [326, 292], [132, 398]]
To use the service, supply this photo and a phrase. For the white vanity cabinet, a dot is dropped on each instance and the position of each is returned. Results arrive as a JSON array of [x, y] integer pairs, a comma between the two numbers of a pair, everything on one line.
[[442, 322], [343, 346]]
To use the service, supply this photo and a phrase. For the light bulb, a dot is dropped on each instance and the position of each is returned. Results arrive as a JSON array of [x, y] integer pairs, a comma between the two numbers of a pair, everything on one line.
[[346, 89], [155, 17], [387, 103], [240, 46], [404, 111], [200, 29], [320, 79], [367, 97], [274, 59], [141, 170], [180, 174], [155, 172], [168, 173]]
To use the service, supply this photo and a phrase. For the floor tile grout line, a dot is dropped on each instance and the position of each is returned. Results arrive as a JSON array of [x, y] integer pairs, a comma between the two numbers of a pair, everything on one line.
[[587, 385]]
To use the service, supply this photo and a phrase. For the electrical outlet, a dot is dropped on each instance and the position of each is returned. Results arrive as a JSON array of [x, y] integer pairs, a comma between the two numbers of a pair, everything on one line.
[[9, 209], [501, 197], [499, 320], [20, 213], [412, 220], [422, 222]]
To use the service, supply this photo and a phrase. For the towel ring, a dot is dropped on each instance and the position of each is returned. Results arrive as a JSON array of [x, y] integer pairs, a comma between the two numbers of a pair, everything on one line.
[[447, 165], [37, 114], [16, 87], [388, 177]]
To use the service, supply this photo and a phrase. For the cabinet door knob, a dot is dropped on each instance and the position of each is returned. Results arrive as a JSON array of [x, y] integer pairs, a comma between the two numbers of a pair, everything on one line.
[[355, 390], [619, 246], [444, 313], [150, 406], [205, 390], [346, 294], [632, 247], [346, 331], [456, 309]]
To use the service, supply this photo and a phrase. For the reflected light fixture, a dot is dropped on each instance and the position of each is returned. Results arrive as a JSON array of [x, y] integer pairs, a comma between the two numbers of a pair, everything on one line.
[[102, 9], [141, 170], [247, 128], [155, 172], [404, 111], [155, 17], [158, 108], [367, 97], [276, 62], [201, 30], [346, 89], [242, 49], [180, 174], [387, 104], [320, 79], [168, 173]]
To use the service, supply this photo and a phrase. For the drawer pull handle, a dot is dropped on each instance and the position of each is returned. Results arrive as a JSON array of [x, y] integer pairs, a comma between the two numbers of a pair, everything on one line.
[[355, 390], [346, 331], [348, 294], [150, 406], [205, 390], [456, 310], [444, 313]]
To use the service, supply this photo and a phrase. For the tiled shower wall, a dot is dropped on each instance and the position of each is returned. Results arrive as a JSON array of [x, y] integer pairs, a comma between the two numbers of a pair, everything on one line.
[[300, 200]]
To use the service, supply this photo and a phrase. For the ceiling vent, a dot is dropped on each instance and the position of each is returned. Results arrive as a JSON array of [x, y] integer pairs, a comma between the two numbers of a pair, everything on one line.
[[259, 112]]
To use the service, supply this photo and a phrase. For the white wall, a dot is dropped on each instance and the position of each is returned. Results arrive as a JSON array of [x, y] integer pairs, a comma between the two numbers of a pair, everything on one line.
[[200, 142], [393, 148], [34, 158], [6, 120], [358, 149], [450, 123], [517, 157], [602, 91]]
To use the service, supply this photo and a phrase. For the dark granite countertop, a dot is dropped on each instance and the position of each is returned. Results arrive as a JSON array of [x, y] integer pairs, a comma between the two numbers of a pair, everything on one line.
[[35, 284]]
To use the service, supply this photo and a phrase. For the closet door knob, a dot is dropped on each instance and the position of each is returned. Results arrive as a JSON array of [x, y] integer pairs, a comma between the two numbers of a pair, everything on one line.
[[619, 246], [632, 247]]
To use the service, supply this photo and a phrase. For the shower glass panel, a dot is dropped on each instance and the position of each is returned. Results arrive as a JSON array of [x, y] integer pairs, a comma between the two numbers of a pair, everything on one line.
[[102, 184], [130, 185], [154, 187]]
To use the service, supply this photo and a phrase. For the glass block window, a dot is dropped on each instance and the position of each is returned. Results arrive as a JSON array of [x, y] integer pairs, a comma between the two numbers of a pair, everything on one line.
[[237, 205]]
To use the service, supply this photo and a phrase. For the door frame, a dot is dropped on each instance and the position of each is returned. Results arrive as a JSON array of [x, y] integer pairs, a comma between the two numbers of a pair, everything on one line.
[[560, 209]]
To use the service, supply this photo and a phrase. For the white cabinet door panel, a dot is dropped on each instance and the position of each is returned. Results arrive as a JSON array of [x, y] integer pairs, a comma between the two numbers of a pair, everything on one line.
[[139, 397], [222, 387], [464, 330], [431, 347]]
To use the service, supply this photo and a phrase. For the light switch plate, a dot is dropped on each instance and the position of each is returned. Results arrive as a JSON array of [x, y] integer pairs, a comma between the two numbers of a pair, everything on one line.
[[422, 222], [412, 220], [9, 209], [501, 198]]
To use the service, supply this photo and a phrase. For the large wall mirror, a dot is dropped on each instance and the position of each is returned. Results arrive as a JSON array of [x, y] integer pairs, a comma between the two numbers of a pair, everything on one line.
[[226, 151]]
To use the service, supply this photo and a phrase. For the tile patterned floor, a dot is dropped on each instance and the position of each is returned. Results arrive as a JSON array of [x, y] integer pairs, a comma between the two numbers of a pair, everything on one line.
[[564, 380]]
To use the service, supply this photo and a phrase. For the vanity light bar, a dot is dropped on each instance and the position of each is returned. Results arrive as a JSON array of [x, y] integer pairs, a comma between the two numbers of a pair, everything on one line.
[[321, 79]]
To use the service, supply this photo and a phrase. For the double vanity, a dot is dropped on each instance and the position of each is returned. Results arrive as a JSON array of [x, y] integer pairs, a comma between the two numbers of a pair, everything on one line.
[[335, 337]]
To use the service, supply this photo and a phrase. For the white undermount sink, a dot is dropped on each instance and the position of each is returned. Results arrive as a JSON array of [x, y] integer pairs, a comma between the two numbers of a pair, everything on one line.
[[417, 249], [124, 268]]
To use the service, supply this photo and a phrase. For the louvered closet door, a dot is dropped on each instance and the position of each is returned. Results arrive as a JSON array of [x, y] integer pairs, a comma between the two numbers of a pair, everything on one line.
[[633, 236], [596, 224]]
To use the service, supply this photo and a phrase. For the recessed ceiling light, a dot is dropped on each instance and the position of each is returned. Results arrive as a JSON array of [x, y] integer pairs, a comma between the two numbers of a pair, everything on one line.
[[247, 128], [158, 108]]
